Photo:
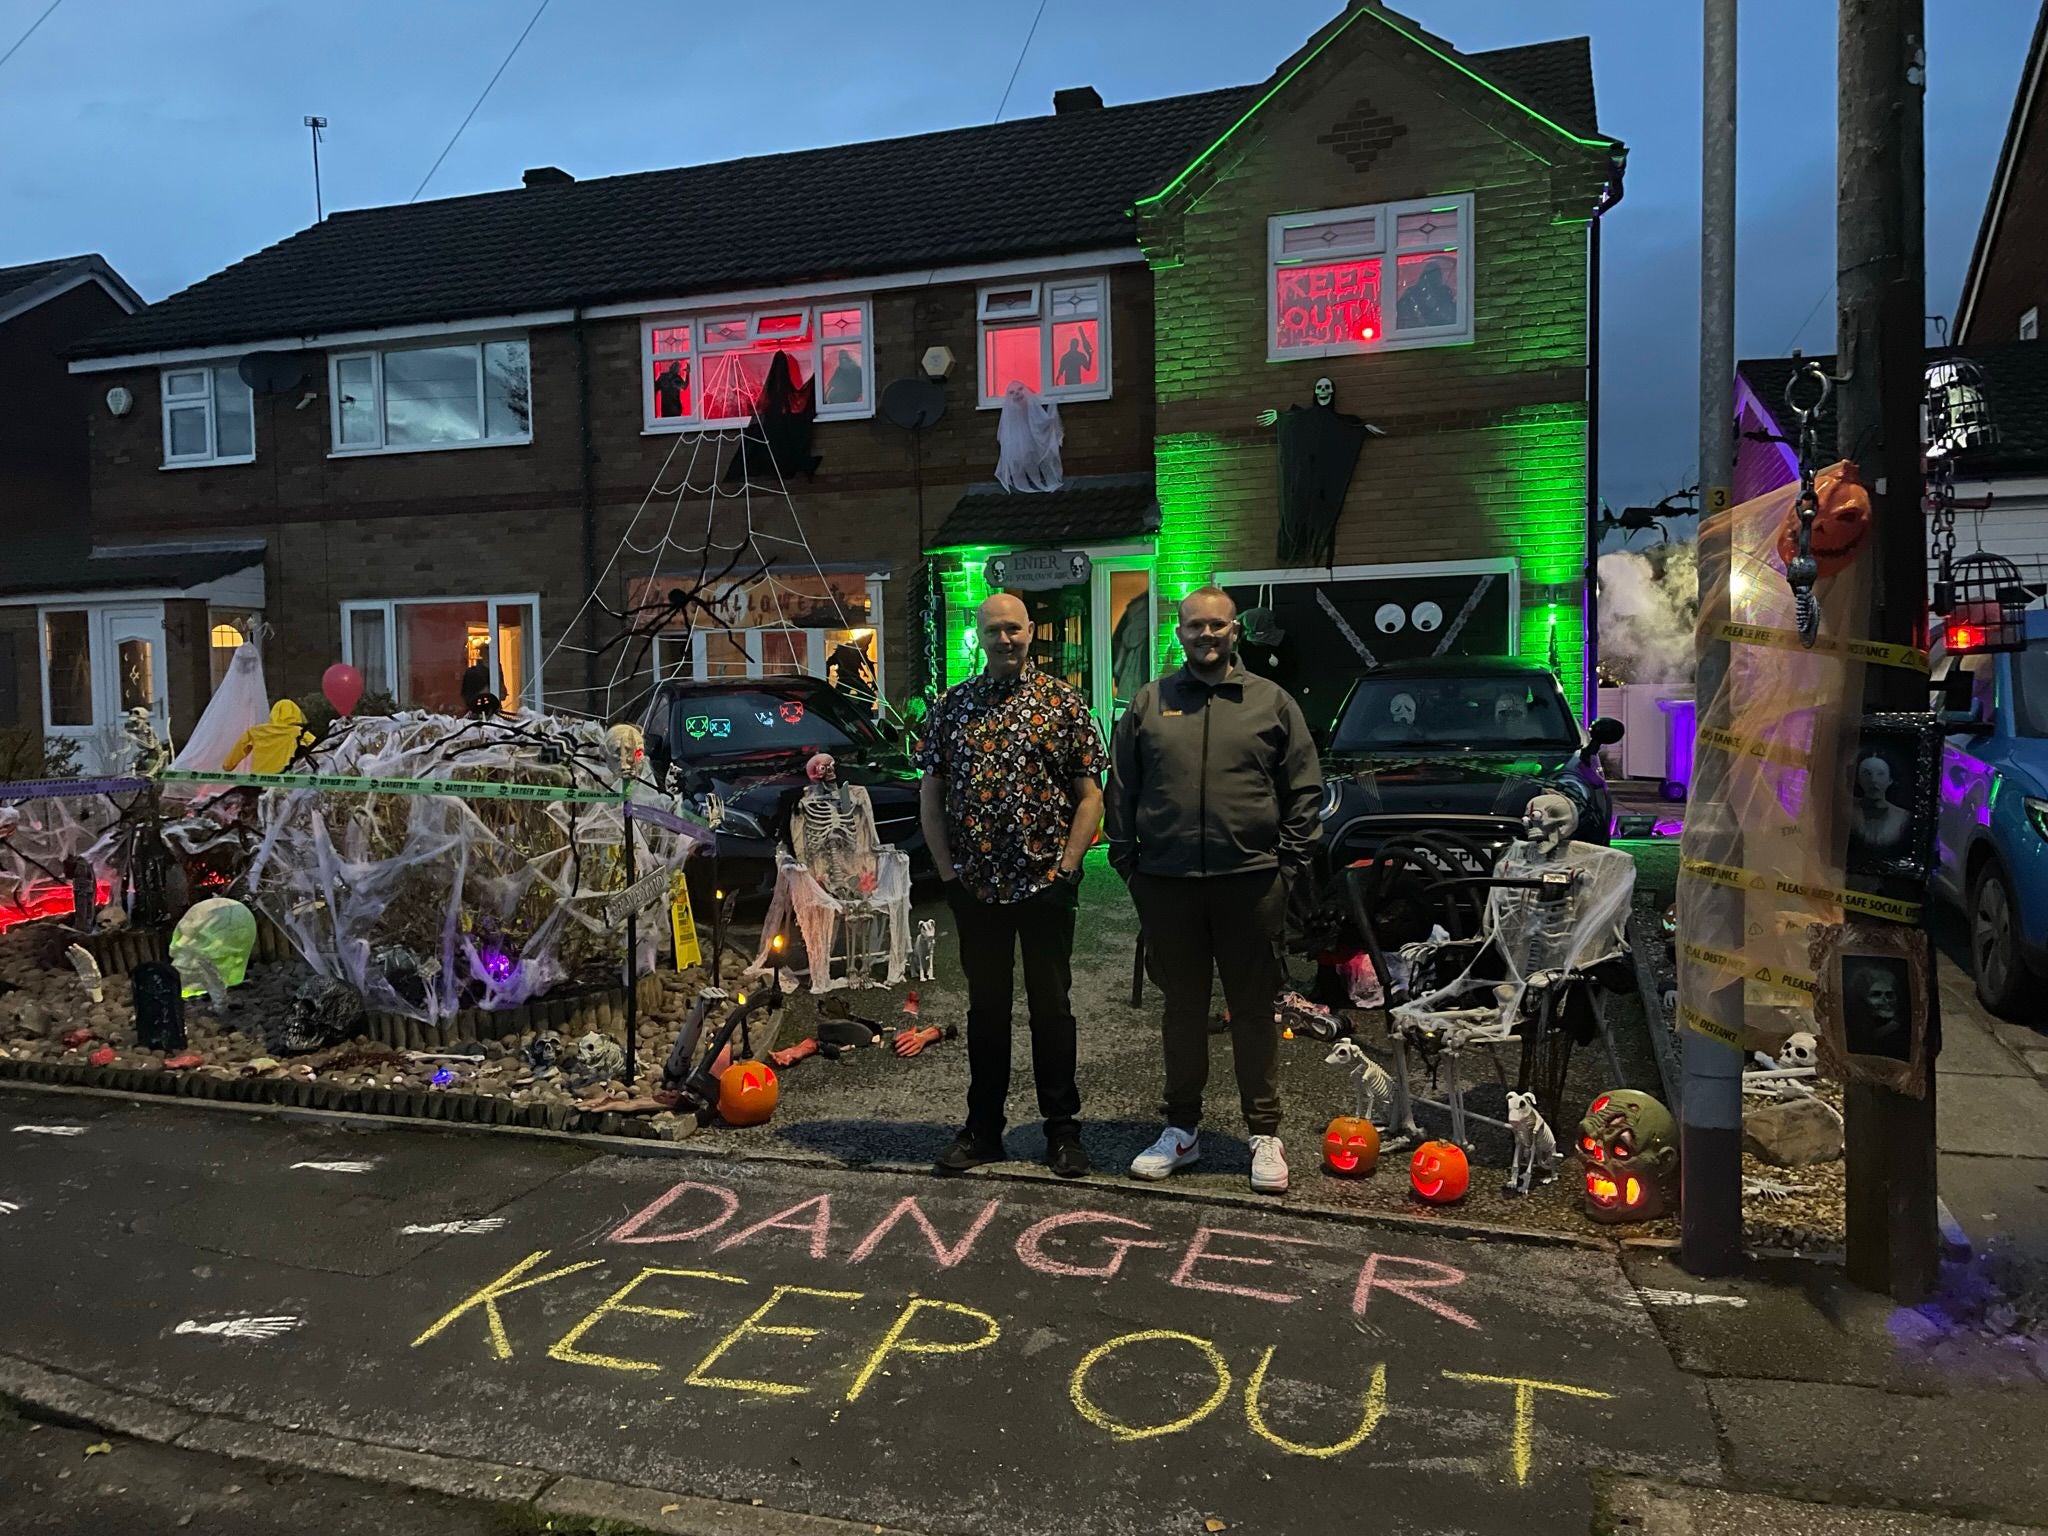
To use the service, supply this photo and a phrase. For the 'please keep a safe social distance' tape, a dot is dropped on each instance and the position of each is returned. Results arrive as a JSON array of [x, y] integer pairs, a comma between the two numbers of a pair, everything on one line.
[[460, 789]]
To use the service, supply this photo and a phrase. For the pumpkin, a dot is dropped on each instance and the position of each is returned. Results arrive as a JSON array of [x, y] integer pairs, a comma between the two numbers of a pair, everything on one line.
[[1351, 1147], [1841, 520], [747, 1093], [1439, 1172]]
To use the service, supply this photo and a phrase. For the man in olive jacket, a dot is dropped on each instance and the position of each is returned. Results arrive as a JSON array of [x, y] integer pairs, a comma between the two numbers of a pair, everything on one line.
[[1214, 787]]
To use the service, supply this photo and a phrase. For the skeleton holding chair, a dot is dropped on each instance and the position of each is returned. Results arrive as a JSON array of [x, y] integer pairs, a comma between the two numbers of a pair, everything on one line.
[[849, 892], [1555, 911]]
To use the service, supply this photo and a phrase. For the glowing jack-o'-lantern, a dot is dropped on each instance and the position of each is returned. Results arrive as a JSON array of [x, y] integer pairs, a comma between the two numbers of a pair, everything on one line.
[[748, 1093], [1351, 1147], [1841, 520], [1439, 1172], [1628, 1143]]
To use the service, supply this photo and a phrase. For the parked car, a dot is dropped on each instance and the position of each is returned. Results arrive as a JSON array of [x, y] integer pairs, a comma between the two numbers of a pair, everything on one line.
[[746, 740], [1991, 833]]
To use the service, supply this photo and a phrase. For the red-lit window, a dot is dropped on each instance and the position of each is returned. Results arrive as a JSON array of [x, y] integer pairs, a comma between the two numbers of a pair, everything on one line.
[[1051, 337], [708, 371], [672, 391], [1330, 271]]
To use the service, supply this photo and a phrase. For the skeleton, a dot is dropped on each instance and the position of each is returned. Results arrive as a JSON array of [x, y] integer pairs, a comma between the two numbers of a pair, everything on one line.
[[1785, 1075], [323, 1011], [842, 883], [599, 1059], [1371, 1089], [1535, 1145], [143, 752], [833, 833], [923, 949], [88, 971]]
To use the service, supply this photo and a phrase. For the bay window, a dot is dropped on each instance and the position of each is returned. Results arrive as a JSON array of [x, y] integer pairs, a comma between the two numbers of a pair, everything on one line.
[[444, 396], [707, 370], [209, 416], [1370, 278], [426, 652], [816, 624], [1052, 337]]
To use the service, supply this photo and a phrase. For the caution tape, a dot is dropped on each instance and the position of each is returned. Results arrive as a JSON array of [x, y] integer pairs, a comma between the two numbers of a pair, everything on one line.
[[61, 789], [1907, 657], [459, 789], [1752, 746], [1713, 1029], [1849, 901], [1736, 965]]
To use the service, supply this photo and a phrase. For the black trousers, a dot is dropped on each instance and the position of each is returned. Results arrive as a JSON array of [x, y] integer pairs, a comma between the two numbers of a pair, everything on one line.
[[990, 936], [1194, 930]]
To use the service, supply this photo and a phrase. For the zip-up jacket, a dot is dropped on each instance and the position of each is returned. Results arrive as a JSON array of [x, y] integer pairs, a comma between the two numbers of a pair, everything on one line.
[[1212, 781]]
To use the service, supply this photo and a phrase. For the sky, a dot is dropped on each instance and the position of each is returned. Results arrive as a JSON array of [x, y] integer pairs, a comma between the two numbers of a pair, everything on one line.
[[168, 137]]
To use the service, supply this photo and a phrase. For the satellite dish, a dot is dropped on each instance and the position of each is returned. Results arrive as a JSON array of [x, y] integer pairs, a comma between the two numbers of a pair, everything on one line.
[[272, 373], [914, 404]]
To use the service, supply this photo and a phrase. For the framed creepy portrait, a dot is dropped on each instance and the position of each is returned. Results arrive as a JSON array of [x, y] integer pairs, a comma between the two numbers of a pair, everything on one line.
[[1871, 1008], [1893, 775]]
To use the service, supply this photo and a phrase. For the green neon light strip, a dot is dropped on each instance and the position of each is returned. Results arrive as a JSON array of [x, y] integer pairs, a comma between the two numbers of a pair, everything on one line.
[[460, 789], [1388, 22]]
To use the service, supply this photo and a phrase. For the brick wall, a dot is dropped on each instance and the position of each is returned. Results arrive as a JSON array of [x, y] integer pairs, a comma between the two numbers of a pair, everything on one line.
[[2015, 276], [43, 433]]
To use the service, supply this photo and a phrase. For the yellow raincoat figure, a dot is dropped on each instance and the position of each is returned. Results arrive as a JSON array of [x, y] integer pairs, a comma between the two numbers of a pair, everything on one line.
[[271, 748]]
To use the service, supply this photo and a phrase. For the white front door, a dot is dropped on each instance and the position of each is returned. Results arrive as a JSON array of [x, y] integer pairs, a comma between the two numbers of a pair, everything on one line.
[[98, 663]]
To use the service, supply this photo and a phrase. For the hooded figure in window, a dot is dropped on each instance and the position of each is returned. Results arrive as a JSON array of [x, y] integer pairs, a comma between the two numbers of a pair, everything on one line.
[[776, 445]]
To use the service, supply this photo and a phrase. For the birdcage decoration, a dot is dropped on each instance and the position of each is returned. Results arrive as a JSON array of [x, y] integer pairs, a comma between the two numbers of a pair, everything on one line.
[[1959, 418], [1987, 609]]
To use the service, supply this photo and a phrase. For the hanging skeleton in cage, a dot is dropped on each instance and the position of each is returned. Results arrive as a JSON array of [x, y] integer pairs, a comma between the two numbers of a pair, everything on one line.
[[849, 894]]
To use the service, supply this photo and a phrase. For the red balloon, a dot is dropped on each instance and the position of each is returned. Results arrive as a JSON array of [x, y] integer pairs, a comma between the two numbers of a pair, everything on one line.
[[343, 685]]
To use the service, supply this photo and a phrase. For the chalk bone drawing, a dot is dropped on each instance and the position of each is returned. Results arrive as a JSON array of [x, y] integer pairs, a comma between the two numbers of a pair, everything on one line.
[[1651, 1296], [338, 1167], [8, 1207], [51, 1130], [241, 1327], [483, 1224]]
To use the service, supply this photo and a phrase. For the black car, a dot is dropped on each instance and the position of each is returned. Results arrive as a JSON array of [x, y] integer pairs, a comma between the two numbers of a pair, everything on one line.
[[747, 740]]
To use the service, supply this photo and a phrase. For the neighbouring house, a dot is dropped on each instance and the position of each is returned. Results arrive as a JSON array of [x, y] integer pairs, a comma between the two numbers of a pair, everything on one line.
[[481, 428], [2007, 280], [85, 633]]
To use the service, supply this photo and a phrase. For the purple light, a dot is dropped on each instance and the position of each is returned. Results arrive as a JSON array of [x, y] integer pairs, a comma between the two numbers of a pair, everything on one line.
[[497, 964], [1680, 729], [1672, 828]]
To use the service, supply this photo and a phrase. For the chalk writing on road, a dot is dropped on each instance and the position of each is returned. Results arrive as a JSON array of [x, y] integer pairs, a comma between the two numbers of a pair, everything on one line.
[[50, 1130], [464, 1228], [343, 1167], [240, 1327]]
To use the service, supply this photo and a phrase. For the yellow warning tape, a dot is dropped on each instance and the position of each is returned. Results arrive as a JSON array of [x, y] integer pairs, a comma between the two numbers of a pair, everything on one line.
[[1735, 965], [1904, 656], [1699, 1023], [1752, 746], [1848, 901]]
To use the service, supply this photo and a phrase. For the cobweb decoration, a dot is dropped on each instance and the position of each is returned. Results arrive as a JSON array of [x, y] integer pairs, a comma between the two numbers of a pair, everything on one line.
[[691, 540]]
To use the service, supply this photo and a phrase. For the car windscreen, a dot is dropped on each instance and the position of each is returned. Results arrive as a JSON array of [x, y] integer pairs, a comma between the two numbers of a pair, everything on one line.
[[1463, 714], [747, 721]]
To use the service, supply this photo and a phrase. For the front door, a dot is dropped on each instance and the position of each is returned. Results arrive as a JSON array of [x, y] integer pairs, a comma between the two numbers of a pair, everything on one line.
[[99, 663]]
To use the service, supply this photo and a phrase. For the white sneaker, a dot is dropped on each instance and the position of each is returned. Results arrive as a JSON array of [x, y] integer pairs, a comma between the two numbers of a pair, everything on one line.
[[1175, 1148], [1269, 1166]]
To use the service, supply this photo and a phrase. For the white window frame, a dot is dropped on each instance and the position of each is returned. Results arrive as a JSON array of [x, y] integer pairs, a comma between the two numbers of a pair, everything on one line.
[[337, 449], [749, 320], [533, 697], [1040, 310], [668, 661], [2030, 324], [203, 399], [1393, 336]]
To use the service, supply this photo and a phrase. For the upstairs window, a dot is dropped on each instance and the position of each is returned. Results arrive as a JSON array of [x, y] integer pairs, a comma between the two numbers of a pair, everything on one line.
[[1385, 275], [707, 371], [1052, 337], [209, 417], [468, 394]]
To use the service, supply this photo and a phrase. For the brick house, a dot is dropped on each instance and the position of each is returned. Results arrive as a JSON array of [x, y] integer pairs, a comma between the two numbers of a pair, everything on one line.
[[2007, 280], [587, 343]]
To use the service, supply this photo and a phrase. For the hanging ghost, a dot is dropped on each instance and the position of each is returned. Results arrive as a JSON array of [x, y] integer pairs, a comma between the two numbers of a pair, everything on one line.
[[1028, 437], [776, 445]]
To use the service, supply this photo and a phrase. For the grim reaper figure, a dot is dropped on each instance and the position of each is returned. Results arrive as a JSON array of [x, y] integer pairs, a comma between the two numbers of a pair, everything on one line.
[[1318, 451]]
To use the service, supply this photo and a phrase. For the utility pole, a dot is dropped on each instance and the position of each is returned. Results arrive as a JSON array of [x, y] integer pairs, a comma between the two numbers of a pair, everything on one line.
[[319, 210], [1880, 221], [1710, 1106]]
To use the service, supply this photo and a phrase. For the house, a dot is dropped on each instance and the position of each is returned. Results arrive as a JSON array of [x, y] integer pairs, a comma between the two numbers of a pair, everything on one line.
[[86, 635], [2007, 280], [485, 430]]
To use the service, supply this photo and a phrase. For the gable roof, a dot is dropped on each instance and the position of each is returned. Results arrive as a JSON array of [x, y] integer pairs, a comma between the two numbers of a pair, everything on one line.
[[1025, 188], [24, 287], [2001, 179]]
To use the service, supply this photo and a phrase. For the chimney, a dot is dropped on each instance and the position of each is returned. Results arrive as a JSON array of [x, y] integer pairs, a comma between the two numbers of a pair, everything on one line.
[[547, 176], [1077, 98]]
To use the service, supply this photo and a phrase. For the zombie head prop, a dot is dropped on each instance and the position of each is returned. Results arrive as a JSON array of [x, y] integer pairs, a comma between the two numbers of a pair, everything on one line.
[[628, 746], [220, 931], [323, 1012], [1629, 1145], [1549, 820], [1326, 392], [599, 1059]]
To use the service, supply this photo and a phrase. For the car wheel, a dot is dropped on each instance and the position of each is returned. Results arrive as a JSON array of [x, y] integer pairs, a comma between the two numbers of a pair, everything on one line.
[[1995, 959]]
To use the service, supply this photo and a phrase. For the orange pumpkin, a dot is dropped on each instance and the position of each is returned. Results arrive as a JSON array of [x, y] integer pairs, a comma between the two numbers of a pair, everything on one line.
[[1439, 1172], [1351, 1147], [1841, 520], [747, 1093]]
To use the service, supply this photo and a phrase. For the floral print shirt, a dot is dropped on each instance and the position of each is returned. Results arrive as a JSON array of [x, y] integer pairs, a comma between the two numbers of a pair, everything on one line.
[[1009, 751]]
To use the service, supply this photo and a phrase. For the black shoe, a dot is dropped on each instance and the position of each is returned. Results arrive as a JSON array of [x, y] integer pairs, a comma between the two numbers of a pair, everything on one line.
[[1066, 1157], [970, 1149]]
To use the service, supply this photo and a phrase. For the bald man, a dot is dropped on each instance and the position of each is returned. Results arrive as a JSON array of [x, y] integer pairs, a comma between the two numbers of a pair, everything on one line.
[[1009, 803]]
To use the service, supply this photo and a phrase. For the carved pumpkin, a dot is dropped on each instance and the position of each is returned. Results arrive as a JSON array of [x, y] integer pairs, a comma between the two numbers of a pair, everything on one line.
[[747, 1093], [1351, 1147], [1841, 520], [1439, 1172]]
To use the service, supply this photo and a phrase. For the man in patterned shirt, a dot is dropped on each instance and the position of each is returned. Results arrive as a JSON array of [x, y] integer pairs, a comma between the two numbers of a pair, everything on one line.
[[1009, 803]]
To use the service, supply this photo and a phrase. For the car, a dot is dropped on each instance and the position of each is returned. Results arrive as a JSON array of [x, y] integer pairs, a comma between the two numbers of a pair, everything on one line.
[[746, 741], [1991, 826], [1448, 753]]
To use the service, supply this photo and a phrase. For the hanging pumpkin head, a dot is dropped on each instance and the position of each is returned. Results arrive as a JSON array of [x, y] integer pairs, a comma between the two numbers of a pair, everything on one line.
[[1841, 520], [1351, 1147], [747, 1093], [1439, 1172]]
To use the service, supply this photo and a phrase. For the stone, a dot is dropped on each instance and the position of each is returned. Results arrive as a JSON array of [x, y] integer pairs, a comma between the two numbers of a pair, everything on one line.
[[1793, 1133]]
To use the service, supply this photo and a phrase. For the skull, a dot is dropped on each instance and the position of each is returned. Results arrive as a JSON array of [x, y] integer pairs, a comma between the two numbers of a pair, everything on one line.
[[628, 745], [599, 1059], [1326, 392], [1402, 708], [544, 1051], [1549, 820], [1800, 1050], [1881, 997], [821, 769], [322, 1013], [1629, 1145]]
